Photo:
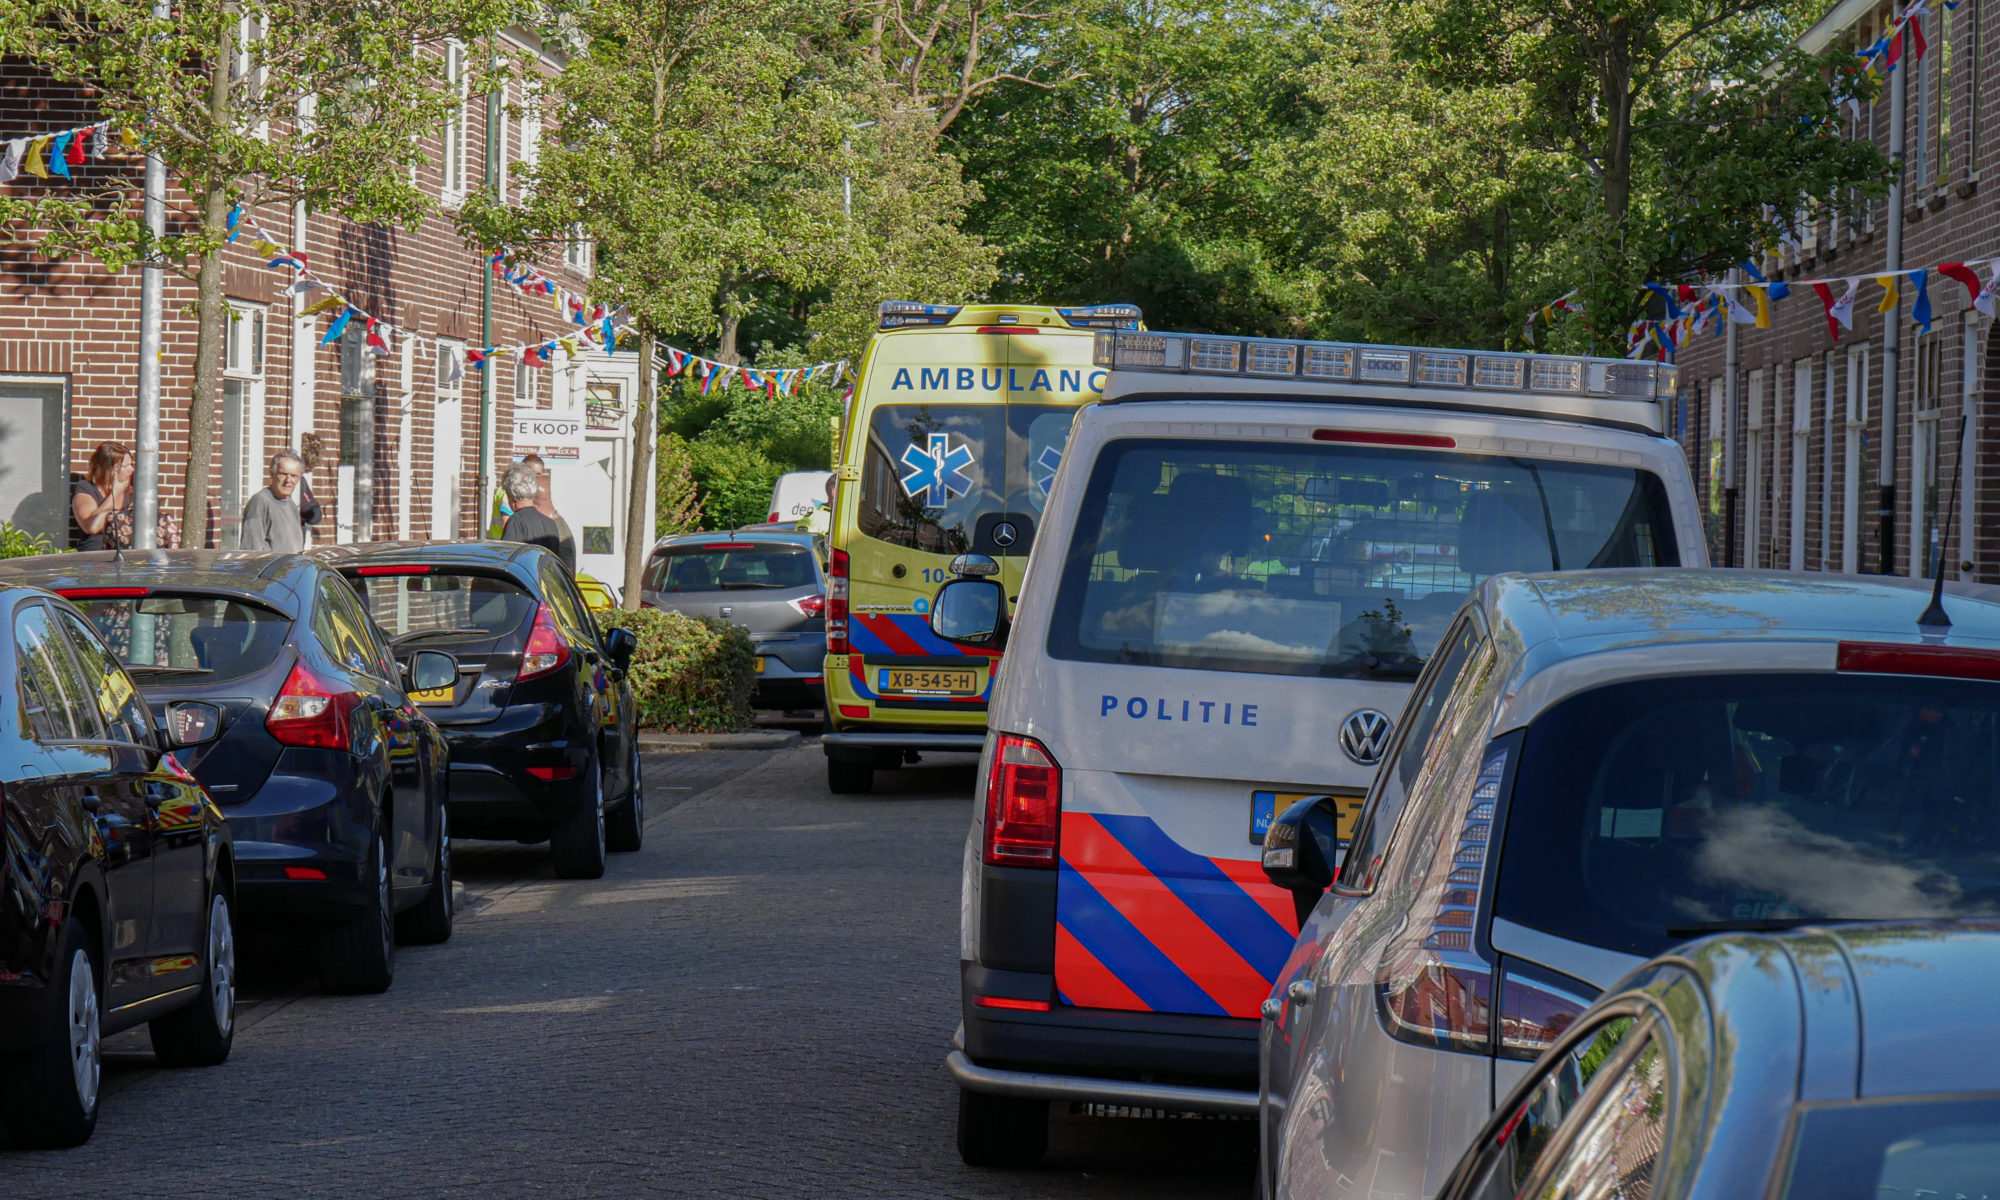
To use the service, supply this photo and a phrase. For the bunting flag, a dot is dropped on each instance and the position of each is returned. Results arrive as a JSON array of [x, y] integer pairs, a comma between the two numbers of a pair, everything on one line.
[[37, 162], [52, 154], [1888, 283], [1778, 290], [59, 154], [1839, 313], [338, 327], [1984, 301], [708, 374], [1761, 297], [377, 345], [476, 359], [1916, 35], [1667, 297], [534, 356], [1920, 312], [1739, 312], [11, 154], [323, 304], [457, 364], [235, 220], [1965, 275]]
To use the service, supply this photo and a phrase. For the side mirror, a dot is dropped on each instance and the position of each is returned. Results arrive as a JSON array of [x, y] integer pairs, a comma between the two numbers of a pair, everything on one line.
[[619, 646], [972, 612], [191, 723], [431, 671], [1301, 848]]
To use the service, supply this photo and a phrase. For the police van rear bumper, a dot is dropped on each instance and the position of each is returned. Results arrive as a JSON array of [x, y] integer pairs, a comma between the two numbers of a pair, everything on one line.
[[899, 739], [1038, 1085]]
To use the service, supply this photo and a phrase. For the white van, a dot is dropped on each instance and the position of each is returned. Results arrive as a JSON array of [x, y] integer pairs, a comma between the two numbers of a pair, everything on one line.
[[1249, 552], [796, 494]]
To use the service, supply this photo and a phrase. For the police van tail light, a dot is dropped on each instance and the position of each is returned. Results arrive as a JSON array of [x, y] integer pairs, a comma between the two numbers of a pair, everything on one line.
[[836, 605], [1023, 804]]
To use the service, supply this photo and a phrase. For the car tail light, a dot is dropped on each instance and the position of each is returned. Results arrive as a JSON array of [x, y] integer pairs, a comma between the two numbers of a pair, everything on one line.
[[1010, 1002], [308, 712], [857, 712], [105, 593], [547, 649], [412, 569], [1432, 986], [1900, 658], [810, 606], [551, 774], [773, 518], [836, 605], [1366, 437], [724, 546], [1023, 804], [309, 874]]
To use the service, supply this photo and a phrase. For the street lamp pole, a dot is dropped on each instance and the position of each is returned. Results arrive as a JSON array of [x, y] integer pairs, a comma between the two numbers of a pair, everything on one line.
[[152, 301]]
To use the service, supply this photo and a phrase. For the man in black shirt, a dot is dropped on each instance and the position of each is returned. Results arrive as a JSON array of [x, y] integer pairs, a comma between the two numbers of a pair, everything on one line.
[[530, 524]]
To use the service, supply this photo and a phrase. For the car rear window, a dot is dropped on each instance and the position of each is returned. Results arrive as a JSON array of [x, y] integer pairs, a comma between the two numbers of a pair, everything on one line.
[[1649, 812], [1936, 1148], [727, 566], [941, 477], [1334, 560], [191, 637], [442, 607]]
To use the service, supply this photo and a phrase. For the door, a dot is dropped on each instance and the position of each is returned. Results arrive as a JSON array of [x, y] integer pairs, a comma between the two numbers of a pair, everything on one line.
[[34, 450], [448, 439], [64, 717]]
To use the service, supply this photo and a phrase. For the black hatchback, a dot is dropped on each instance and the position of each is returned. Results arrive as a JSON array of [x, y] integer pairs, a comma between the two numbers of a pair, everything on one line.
[[117, 878], [305, 735], [540, 719]]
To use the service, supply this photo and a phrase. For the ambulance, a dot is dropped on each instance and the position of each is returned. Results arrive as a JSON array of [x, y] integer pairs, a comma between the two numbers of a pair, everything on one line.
[[959, 420]]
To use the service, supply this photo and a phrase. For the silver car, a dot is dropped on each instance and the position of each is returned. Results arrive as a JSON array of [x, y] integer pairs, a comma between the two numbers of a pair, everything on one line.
[[770, 582], [1831, 1063], [1597, 766]]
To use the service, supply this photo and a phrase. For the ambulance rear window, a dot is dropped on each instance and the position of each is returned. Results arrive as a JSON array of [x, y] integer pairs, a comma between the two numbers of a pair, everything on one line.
[[1345, 561], [953, 478]]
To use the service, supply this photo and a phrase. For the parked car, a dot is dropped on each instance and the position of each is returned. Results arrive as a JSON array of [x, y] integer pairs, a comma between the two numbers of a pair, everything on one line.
[[539, 717], [117, 877], [332, 781], [1206, 631], [1597, 767], [598, 596], [796, 494], [1828, 1063], [773, 584]]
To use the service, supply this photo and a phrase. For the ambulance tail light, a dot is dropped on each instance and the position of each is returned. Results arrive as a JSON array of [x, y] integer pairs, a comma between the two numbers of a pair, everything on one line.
[[1023, 804], [1432, 986], [836, 605]]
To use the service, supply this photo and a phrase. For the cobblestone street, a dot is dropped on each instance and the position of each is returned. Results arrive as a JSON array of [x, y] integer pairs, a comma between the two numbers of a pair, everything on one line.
[[757, 1004]]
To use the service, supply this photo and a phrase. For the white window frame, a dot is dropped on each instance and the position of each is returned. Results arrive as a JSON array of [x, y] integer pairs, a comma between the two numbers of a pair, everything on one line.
[[530, 126], [243, 361], [1753, 458], [247, 69], [1850, 490], [1968, 399], [576, 251], [452, 158], [447, 448], [1829, 365], [526, 391], [1802, 406], [499, 113], [1926, 443]]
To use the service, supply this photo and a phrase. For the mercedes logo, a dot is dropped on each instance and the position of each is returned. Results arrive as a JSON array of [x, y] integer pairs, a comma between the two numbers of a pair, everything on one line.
[[1364, 736], [1004, 534]]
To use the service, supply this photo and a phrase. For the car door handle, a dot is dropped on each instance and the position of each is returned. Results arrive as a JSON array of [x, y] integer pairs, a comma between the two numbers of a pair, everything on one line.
[[1300, 993]]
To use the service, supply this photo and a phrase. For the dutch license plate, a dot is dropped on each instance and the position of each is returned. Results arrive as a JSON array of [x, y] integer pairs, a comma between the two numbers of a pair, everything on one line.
[[1265, 807], [928, 681], [436, 695], [760, 664]]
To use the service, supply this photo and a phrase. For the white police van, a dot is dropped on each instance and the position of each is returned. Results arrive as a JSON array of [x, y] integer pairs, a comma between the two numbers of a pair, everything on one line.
[[1249, 551]]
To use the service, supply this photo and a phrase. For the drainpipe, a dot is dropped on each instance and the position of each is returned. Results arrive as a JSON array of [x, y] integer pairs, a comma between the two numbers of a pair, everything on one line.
[[1892, 331], [486, 381], [1732, 403]]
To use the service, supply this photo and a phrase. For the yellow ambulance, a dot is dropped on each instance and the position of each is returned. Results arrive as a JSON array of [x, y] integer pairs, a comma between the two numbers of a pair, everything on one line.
[[958, 421]]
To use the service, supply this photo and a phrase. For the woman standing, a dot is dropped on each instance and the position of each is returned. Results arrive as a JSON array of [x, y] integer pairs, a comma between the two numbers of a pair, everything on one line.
[[102, 502]]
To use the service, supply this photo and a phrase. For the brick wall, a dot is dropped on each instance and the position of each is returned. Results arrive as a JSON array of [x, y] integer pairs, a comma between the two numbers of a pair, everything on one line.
[[72, 323]]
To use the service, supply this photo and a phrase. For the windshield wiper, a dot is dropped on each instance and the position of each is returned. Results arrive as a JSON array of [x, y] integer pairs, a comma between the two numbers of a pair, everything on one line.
[[153, 669], [414, 634], [1754, 925]]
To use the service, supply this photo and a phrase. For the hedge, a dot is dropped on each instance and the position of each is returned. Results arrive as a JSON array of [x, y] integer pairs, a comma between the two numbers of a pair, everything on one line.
[[690, 674]]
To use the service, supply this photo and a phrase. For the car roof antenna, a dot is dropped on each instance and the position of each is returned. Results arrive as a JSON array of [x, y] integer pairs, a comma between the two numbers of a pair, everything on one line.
[[1935, 617]]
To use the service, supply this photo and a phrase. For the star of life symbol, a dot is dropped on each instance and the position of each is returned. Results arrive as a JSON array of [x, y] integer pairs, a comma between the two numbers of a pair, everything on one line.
[[1048, 460], [937, 473]]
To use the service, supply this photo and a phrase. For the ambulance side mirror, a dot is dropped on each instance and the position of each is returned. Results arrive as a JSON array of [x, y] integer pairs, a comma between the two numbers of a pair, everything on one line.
[[1301, 850], [972, 609]]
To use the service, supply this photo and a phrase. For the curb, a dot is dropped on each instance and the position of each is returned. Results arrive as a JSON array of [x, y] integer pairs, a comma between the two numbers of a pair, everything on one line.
[[762, 739]]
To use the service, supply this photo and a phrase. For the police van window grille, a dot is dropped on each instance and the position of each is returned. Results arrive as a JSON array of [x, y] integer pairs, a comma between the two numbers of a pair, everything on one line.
[[1324, 560]]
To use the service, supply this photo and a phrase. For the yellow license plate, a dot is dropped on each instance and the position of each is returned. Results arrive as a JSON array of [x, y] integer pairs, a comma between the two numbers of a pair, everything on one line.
[[760, 664], [1266, 807], [436, 695], [928, 681]]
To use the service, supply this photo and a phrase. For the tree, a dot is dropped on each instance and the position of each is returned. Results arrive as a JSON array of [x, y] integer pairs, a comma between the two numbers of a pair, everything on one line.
[[935, 57], [1688, 131], [678, 508], [249, 103]]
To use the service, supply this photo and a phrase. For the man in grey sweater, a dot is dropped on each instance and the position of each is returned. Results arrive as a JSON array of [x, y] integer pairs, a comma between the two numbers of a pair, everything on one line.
[[271, 519], [523, 484]]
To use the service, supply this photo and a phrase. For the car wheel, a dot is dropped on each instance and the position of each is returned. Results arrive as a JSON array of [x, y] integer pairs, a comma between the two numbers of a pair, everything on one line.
[[1001, 1131], [849, 778], [578, 843], [50, 1098], [359, 958], [200, 1034], [430, 923], [625, 826]]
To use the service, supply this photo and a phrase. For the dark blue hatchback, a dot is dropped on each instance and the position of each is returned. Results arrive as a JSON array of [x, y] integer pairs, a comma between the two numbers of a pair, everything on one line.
[[332, 781]]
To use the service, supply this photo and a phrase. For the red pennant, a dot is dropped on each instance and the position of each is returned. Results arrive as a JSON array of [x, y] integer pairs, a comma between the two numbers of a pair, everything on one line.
[[74, 155], [475, 358], [1826, 298], [1962, 273], [535, 356], [1917, 44], [1684, 293], [1895, 54]]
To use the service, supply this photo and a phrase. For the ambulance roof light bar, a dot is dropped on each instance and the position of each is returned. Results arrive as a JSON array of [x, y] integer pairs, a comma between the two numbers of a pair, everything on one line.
[[1102, 316], [1404, 366], [900, 314]]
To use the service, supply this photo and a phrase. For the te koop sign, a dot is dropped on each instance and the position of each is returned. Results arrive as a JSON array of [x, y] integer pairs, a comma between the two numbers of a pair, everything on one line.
[[556, 437]]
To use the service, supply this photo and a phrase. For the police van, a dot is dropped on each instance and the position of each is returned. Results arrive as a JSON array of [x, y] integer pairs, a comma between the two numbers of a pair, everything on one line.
[[958, 421], [1252, 549]]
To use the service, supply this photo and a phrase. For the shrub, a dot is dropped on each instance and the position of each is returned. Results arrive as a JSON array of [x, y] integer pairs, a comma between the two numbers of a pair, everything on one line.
[[19, 543], [735, 482], [690, 674]]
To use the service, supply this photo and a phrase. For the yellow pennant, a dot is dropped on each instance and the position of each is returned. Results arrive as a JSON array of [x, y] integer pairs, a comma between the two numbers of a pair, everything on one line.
[[321, 305], [268, 249], [569, 346], [1888, 283], [34, 162], [1762, 296]]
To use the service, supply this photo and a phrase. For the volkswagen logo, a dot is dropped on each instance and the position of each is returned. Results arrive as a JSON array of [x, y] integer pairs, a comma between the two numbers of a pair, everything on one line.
[[1364, 736], [1004, 534]]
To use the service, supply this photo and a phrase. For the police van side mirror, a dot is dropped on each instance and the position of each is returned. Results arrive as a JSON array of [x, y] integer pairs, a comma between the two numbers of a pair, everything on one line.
[[1301, 849], [971, 612]]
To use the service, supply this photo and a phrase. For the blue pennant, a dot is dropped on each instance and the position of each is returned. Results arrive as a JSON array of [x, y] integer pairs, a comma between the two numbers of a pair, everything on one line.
[[939, 473]]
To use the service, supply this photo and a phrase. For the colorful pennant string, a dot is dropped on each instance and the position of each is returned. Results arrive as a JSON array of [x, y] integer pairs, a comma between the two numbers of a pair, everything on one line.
[[52, 154]]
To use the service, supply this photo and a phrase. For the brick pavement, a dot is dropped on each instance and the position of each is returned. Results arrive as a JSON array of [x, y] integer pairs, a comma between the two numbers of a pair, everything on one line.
[[757, 1004]]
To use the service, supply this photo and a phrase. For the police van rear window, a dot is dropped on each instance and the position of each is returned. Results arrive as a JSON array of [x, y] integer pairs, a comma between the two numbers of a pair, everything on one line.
[[953, 478], [1330, 560]]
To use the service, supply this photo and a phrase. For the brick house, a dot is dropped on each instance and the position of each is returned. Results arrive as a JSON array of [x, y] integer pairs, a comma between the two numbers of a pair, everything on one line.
[[400, 436], [1786, 431]]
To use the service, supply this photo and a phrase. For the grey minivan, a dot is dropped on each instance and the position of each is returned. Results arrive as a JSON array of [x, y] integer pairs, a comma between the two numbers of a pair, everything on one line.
[[770, 582]]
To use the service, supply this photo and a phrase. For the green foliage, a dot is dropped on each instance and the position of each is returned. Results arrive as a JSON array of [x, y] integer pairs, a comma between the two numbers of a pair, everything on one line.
[[677, 502], [690, 674], [19, 543], [735, 481]]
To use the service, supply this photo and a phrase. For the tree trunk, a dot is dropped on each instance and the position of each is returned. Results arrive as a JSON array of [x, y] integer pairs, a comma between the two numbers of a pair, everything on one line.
[[210, 317], [725, 346], [639, 533]]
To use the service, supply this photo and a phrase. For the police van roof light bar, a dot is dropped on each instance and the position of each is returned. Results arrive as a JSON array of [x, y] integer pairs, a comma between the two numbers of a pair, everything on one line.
[[1334, 362]]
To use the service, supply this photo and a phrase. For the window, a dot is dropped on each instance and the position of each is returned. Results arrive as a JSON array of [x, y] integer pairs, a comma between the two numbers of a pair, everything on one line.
[[526, 386], [1973, 98], [126, 717], [531, 136], [340, 626], [243, 345], [576, 251], [1802, 409], [1940, 29], [419, 610], [207, 638], [453, 135], [1614, 1143], [1870, 1150], [1828, 366], [1324, 560], [1758, 505], [450, 367], [248, 75], [55, 698], [993, 464], [242, 400], [1924, 445], [1850, 458], [499, 135], [730, 566], [1532, 1131]]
